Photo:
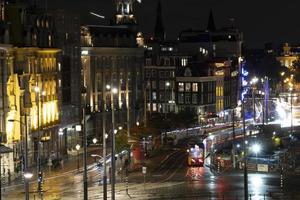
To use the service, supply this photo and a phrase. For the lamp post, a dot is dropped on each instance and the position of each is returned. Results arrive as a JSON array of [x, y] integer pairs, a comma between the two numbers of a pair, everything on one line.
[[282, 85], [27, 175], [85, 183], [113, 161], [104, 137], [77, 148], [39, 168], [291, 94], [245, 154], [60, 134]]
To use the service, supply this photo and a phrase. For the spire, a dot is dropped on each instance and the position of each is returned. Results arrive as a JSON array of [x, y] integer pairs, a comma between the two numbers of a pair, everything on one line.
[[159, 31], [211, 22]]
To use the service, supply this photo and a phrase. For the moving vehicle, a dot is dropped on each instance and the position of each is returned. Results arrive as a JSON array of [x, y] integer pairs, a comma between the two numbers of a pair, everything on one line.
[[196, 155]]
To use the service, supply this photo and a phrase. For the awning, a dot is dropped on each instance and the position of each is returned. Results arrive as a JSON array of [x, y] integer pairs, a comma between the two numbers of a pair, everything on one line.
[[5, 149]]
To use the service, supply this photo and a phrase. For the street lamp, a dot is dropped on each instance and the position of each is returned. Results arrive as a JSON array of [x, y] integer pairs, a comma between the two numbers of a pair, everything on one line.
[[28, 175], [25, 143], [256, 149], [77, 148], [95, 140], [39, 168], [113, 162], [60, 134]]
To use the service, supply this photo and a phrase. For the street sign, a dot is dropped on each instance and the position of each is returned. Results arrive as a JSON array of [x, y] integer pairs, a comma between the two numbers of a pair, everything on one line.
[[144, 170]]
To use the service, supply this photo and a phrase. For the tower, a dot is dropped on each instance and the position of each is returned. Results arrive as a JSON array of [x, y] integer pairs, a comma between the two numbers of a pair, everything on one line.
[[124, 14], [211, 22], [159, 31]]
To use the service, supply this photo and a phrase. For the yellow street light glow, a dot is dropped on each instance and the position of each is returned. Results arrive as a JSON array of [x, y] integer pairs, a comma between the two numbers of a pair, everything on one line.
[[107, 87], [28, 175], [37, 89], [115, 90], [77, 147]]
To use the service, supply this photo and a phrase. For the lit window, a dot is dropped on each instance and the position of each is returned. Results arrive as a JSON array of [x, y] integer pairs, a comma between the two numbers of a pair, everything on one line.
[[181, 87], [187, 87], [59, 67], [154, 95], [195, 87], [154, 107], [184, 62]]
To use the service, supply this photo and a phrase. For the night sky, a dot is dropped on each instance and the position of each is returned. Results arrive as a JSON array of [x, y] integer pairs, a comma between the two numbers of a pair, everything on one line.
[[260, 20]]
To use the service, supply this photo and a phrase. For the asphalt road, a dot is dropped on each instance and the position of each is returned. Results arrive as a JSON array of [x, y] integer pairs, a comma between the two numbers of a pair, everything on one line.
[[172, 180]]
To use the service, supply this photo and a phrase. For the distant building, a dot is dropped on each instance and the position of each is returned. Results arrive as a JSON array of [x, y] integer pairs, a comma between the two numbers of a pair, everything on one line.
[[213, 58], [67, 37], [205, 89], [111, 59], [288, 55]]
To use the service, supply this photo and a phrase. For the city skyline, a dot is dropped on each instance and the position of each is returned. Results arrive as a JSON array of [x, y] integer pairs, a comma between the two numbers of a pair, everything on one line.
[[261, 22]]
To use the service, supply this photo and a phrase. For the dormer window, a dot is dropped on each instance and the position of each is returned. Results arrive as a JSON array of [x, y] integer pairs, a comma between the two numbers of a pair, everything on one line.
[[188, 72]]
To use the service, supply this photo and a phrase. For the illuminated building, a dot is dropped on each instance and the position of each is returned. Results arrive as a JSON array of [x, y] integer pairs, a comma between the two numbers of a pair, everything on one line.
[[288, 55], [29, 59], [110, 56], [124, 12]]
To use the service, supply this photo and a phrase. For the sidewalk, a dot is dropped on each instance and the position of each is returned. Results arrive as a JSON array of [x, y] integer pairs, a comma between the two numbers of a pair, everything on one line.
[[69, 165]]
